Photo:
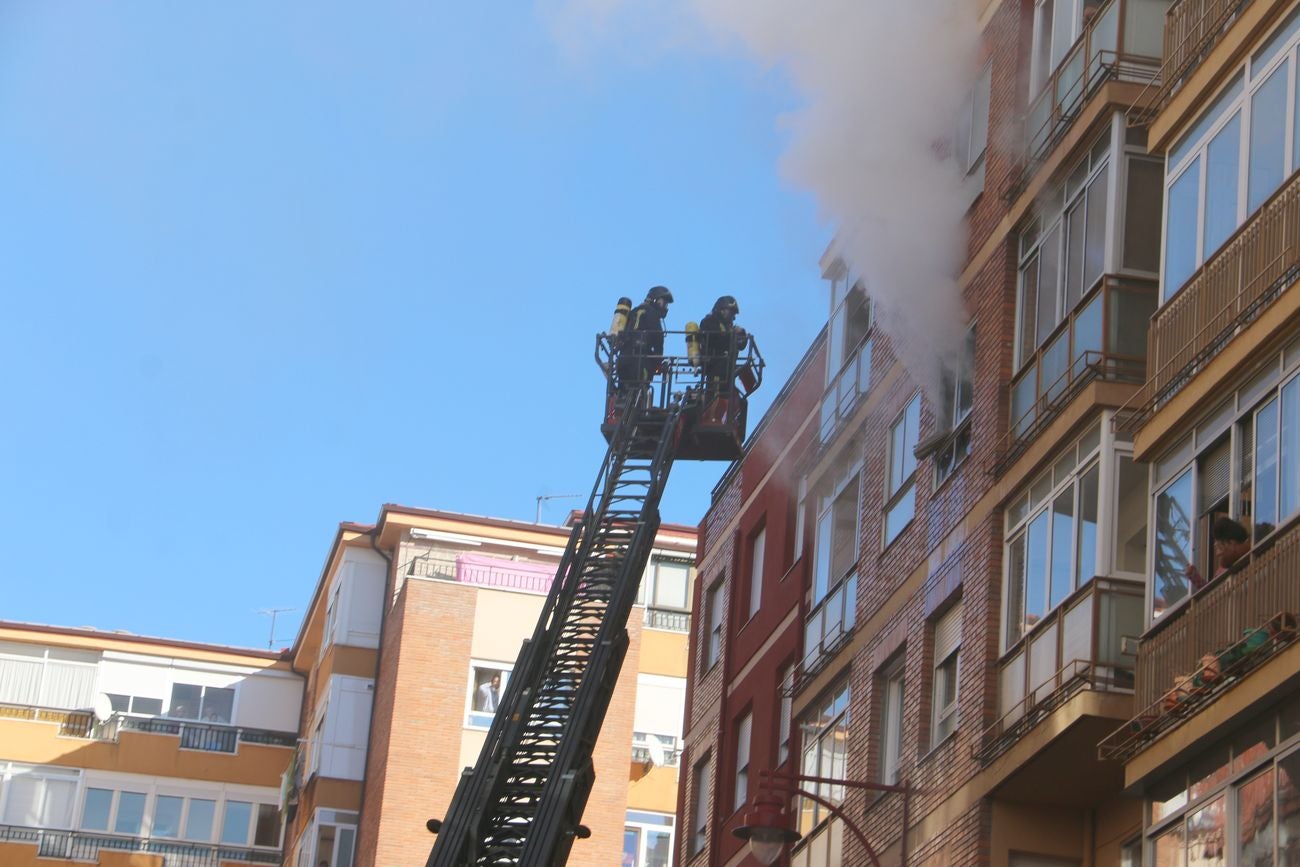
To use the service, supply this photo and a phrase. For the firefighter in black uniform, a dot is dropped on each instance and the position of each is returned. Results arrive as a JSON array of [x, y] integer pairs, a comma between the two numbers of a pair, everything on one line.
[[720, 341], [642, 346]]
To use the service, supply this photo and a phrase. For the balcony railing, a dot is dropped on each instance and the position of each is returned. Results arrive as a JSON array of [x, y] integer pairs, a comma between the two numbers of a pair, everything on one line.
[[1192, 29], [1229, 291], [1099, 340], [1115, 46], [1219, 614], [208, 737], [673, 621], [1079, 645], [71, 723], [671, 758], [86, 846], [829, 625], [841, 397]]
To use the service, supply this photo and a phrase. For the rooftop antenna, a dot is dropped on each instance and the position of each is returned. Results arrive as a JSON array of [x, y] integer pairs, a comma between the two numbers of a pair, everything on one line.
[[274, 612], [542, 497]]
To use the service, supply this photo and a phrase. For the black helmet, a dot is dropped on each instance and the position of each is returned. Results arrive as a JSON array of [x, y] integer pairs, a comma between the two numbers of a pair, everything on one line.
[[658, 293], [726, 302]]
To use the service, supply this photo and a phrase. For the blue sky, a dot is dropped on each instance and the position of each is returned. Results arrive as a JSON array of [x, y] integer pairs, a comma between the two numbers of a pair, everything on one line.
[[267, 266]]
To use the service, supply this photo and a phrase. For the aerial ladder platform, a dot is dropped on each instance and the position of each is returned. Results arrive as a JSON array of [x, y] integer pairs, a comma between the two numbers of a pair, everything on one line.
[[522, 802]]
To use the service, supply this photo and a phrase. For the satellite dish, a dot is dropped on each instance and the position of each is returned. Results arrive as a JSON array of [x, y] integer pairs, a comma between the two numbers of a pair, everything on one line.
[[103, 708], [656, 752]]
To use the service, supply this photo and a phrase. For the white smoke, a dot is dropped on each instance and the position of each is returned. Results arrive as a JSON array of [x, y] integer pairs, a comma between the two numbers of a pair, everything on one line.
[[883, 81]]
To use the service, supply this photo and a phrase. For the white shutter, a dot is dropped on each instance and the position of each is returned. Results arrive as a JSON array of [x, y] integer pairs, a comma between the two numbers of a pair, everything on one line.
[[947, 634]]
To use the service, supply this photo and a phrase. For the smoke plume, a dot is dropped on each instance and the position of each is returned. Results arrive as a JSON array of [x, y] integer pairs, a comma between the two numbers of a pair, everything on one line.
[[882, 82]]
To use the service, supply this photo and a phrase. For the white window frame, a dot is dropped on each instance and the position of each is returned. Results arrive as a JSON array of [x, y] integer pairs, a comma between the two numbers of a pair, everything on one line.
[[476, 719], [700, 805], [786, 710], [640, 821], [893, 690], [959, 388], [713, 598], [757, 552], [900, 473], [1193, 146], [744, 747], [947, 668]]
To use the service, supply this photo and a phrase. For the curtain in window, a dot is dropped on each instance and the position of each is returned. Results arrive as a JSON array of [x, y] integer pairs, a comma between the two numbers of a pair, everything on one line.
[[20, 681], [68, 686]]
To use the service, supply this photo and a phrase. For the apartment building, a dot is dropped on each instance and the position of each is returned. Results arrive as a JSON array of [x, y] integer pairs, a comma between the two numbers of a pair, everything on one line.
[[1213, 746], [946, 592], [407, 645], [118, 749]]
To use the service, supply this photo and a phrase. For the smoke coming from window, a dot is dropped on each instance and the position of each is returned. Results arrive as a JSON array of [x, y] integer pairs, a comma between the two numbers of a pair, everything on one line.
[[882, 83]]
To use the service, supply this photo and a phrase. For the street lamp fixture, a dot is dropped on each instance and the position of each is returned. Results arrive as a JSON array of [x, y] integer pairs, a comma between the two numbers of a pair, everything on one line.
[[768, 828]]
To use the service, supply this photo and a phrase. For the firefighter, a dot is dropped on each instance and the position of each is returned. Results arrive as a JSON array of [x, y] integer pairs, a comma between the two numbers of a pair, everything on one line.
[[642, 346], [720, 340]]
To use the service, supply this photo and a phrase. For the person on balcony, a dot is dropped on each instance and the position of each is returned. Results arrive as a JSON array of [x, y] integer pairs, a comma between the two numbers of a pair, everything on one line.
[[1230, 542]]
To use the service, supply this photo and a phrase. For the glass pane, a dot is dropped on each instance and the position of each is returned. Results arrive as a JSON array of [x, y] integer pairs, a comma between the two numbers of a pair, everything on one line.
[[1064, 29], [1251, 744], [1265, 505], [1062, 548], [670, 585], [1289, 495], [1028, 311], [235, 822], [1222, 160], [1130, 314], [94, 815], [1087, 336], [1288, 808], [1144, 28], [1023, 403], [1146, 180], [1131, 517], [1180, 233], [218, 704], [658, 848], [1074, 226], [186, 701], [1094, 255], [1169, 849], [267, 832], [822, 557], [1036, 571], [1205, 835], [1076, 632], [1048, 275], [1015, 590], [167, 816], [345, 846], [1056, 360], [130, 813], [1086, 558], [1173, 553], [198, 824], [900, 514], [1267, 138]]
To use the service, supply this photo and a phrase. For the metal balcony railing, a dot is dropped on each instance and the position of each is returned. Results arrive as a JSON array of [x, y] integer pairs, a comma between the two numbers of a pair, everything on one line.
[[1112, 47], [86, 846], [1192, 29], [71, 723], [1229, 291], [673, 621], [1079, 645], [1096, 341], [208, 737], [829, 626], [643, 755], [1220, 614]]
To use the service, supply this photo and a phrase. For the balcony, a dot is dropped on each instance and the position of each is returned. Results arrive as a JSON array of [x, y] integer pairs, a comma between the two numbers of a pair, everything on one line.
[[829, 626], [1102, 339], [71, 723], [207, 737], [1192, 29], [86, 846], [501, 573], [668, 619], [1229, 291], [841, 397], [1080, 645], [1219, 615], [1120, 43]]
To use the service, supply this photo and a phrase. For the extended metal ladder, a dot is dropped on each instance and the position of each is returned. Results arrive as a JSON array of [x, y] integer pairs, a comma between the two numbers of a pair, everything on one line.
[[522, 801]]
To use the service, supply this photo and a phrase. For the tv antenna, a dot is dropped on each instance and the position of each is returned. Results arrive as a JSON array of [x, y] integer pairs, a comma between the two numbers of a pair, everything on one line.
[[274, 612], [543, 497]]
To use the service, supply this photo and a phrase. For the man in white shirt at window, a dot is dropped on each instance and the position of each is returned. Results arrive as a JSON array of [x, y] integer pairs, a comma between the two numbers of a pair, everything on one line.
[[488, 695]]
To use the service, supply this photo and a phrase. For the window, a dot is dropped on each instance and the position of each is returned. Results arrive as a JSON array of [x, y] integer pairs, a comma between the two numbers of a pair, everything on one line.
[[267, 830], [970, 141], [47, 676], [167, 811], [95, 811], [39, 797], [1234, 157], [744, 730], [848, 349], [135, 704], [901, 483], [200, 821], [825, 728], [1057, 24], [783, 721], [700, 806], [713, 602], [1052, 536], [835, 557], [757, 549], [207, 703], [235, 823], [665, 591], [486, 690], [944, 688], [647, 839], [953, 415], [891, 684]]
